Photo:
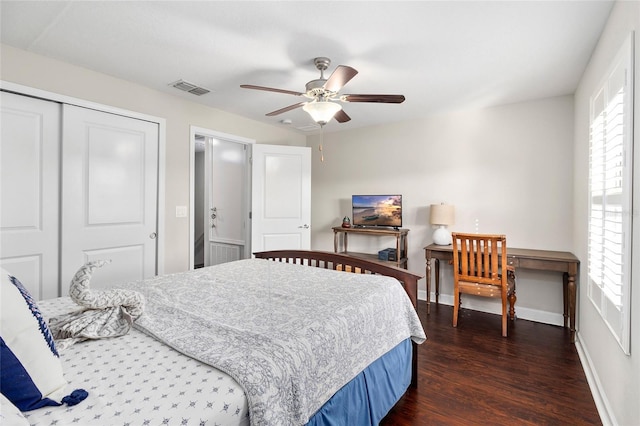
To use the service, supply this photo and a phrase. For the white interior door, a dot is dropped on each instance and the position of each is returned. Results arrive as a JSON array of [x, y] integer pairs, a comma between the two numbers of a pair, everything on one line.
[[281, 198], [109, 195], [29, 184], [225, 201]]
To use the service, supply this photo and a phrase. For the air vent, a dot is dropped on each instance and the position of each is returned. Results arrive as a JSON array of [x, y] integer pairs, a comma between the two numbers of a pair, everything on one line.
[[189, 87], [199, 91]]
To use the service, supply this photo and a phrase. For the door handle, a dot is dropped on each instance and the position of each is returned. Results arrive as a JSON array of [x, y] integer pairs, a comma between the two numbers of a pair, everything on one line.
[[153, 235], [305, 226], [214, 215]]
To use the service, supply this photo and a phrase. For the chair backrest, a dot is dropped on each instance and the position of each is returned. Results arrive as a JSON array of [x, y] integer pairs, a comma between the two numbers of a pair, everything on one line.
[[479, 258]]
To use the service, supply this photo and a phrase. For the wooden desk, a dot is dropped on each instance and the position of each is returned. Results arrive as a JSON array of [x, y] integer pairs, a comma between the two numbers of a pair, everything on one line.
[[543, 260]]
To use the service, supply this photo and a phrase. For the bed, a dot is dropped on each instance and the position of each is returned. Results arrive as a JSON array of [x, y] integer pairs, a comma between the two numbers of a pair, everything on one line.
[[286, 350]]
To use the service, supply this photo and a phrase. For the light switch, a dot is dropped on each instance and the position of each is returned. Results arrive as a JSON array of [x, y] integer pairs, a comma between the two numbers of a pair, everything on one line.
[[181, 211]]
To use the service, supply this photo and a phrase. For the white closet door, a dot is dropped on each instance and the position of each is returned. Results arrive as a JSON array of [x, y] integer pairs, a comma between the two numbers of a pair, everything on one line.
[[109, 195], [29, 184]]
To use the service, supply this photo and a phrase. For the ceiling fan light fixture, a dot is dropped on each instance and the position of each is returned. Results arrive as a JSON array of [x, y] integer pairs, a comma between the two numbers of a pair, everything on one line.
[[322, 111]]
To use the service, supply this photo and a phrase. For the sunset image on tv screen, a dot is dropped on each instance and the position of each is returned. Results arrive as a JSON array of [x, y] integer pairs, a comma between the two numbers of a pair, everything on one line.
[[377, 210]]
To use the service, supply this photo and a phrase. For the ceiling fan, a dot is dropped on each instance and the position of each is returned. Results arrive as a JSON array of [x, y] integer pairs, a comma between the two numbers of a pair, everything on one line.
[[323, 104]]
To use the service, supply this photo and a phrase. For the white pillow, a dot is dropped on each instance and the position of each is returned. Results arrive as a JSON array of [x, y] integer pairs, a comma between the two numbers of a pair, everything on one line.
[[31, 371]]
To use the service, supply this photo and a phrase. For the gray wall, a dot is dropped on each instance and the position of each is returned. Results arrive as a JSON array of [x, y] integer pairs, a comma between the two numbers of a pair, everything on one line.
[[506, 170]]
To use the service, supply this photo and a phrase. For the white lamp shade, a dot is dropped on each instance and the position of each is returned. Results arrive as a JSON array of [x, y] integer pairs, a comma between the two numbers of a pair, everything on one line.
[[322, 111], [442, 214]]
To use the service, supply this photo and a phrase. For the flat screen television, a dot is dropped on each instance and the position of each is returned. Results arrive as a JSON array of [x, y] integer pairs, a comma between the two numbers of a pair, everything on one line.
[[377, 210]]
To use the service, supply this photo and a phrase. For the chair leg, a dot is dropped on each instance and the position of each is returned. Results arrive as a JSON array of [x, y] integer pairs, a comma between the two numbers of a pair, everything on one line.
[[511, 277], [512, 305], [504, 317], [456, 306]]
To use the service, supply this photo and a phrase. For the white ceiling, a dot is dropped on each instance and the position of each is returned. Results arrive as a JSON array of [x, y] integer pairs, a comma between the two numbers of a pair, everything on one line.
[[442, 55]]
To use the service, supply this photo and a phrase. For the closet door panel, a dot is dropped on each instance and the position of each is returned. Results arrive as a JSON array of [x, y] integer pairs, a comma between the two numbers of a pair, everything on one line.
[[115, 181], [29, 184], [109, 196]]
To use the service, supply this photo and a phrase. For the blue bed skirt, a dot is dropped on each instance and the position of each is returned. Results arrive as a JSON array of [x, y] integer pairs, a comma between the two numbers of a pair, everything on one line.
[[367, 398]]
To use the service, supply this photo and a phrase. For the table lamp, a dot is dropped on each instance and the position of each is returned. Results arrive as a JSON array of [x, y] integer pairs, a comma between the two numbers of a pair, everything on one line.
[[441, 215]]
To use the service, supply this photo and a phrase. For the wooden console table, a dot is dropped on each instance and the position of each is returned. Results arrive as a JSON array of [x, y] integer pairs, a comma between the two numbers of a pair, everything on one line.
[[399, 234], [543, 260]]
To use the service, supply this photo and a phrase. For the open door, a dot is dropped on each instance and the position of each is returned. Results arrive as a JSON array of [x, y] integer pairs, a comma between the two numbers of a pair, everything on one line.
[[220, 197], [281, 198], [226, 186]]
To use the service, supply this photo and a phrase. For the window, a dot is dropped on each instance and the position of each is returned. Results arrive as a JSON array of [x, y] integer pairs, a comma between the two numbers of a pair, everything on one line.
[[610, 189]]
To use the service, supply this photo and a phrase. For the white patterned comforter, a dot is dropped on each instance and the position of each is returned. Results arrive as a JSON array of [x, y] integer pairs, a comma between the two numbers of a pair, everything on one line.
[[290, 335], [135, 380]]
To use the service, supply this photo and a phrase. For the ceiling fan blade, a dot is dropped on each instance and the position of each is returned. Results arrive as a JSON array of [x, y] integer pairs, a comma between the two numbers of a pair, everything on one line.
[[384, 99], [341, 116], [340, 76], [270, 89], [285, 109]]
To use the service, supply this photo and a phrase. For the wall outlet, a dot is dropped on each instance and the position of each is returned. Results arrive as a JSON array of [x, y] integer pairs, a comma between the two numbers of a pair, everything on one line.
[[181, 211]]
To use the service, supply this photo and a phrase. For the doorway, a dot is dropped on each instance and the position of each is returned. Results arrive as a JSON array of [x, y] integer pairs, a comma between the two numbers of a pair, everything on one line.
[[220, 198]]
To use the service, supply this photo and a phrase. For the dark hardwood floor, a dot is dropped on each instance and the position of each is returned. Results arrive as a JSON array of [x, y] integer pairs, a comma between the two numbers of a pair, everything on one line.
[[472, 375]]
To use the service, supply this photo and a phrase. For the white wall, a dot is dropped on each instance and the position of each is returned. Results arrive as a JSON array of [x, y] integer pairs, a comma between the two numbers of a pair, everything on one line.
[[614, 376], [507, 169], [28, 69]]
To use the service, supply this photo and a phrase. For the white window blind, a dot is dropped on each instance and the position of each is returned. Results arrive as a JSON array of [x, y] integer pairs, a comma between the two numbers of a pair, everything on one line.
[[610, 201]]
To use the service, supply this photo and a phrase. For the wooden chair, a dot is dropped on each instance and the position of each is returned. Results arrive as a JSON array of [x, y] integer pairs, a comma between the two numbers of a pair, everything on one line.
[[480, 268]]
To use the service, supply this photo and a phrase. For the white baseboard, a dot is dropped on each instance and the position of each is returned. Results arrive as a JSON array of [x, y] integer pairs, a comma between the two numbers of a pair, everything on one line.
[[493, 307], [599, 397], [422, 294]]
